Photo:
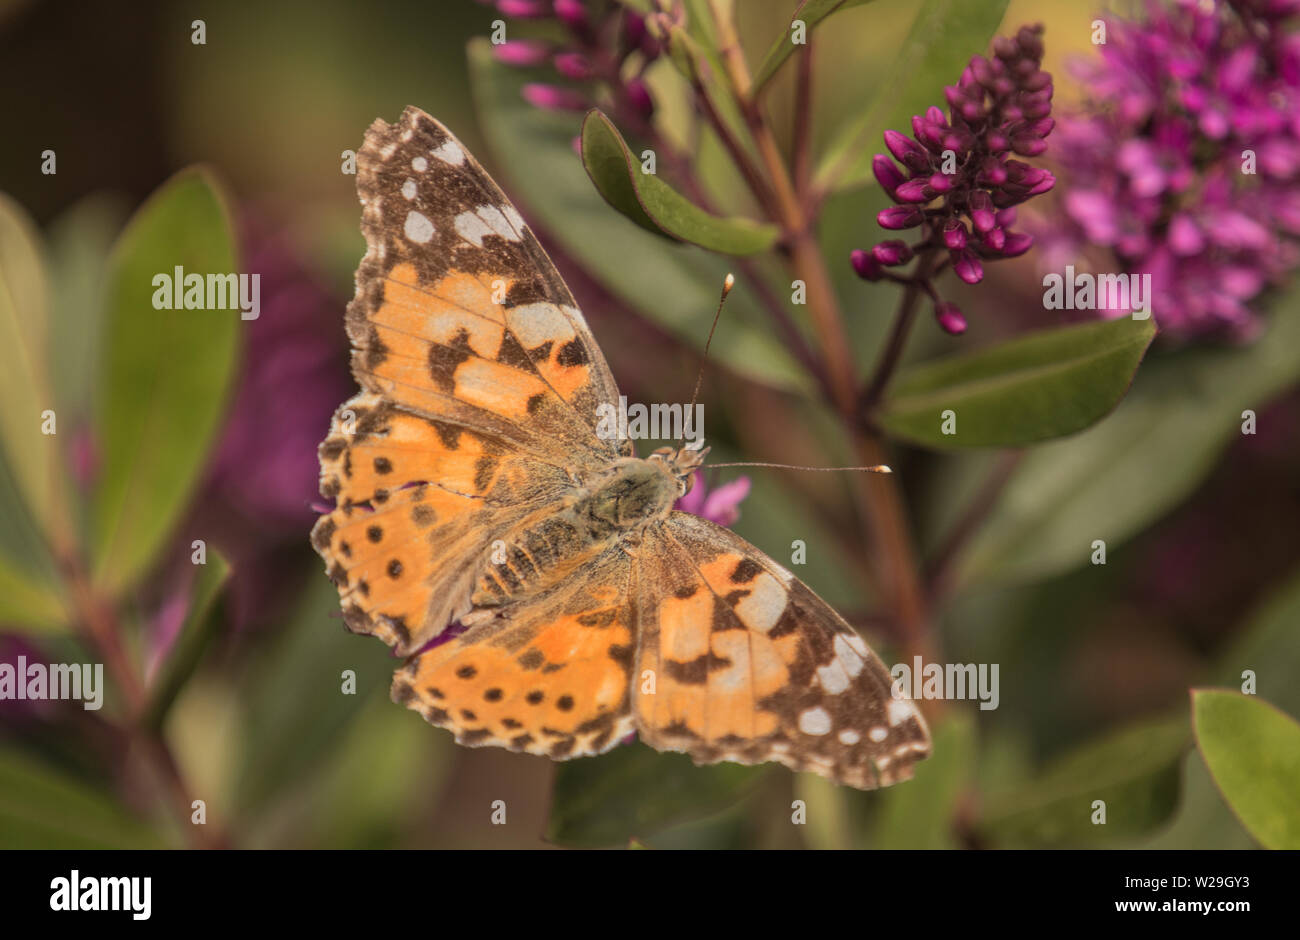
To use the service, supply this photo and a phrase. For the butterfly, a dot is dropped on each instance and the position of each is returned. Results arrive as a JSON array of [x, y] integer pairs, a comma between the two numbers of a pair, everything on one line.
[[547, 596]]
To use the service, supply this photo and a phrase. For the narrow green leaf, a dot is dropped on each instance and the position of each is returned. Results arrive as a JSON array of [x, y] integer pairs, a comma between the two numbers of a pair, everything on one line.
[[165, 375], [653, 204], [43, 808], [196, 633], [944, 36], [633, 792], [1032, 388], [28, 605], [30, 451], [1253, 752], [670, 284], [1135, 772], [811, 13], [1113, 480]]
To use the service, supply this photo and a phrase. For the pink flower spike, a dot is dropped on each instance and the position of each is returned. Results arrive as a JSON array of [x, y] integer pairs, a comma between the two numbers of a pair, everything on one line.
[[522, 53], [950, 319], [554, 98]]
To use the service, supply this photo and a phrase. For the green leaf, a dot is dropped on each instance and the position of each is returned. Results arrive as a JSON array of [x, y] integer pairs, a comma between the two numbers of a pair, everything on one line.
[[672, 285], [197, 631], [295, 710], [32, 456], [812, 12], [43, 808], [1032, 388], [633, 792], [1134, 771], [919, 814], [1113, 480], [944, 36], [1253, 752], [164, 379], [653, 204]]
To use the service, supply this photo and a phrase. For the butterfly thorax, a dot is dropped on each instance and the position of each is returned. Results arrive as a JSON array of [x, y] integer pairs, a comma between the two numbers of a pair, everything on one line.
[[610, 508]]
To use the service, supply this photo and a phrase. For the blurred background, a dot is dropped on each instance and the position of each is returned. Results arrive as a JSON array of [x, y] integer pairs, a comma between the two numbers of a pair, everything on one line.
[[1202, 574]]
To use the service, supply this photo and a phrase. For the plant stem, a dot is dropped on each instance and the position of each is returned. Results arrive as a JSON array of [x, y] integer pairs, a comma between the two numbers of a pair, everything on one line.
[[878, 496], [941, 570], [897, 342], [101, 631]]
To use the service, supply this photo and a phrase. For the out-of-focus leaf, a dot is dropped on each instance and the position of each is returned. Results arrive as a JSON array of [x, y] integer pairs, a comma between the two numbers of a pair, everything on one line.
[[1269, 646], [675, 286], [1202, 821], [1113, 480], [829, 821], [919, 814], [633, 792], [380, 770], [28, 605], [80, 245], [1134, 771], [32, 456], [295, 707], [811, 12], [1029, 389], [1253, 752], [653, 204], [944, 36], [42, 808], [165, 375], [196, 632]]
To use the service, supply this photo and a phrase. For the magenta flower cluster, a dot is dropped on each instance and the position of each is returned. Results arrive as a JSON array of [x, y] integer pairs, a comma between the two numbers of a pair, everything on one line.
[[1187, 163], [593, 52], [959, 182]]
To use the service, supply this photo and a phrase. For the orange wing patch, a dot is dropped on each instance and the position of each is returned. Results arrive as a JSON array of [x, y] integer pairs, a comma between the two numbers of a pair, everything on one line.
[[552, 680], [751, 666]]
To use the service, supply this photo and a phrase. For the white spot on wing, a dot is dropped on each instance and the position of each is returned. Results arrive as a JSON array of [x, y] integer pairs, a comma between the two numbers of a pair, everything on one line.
[[849, 736], [534, 324], [848, 656], [878, 733], [419, 164], [814, 721], [833, 678], [450, 152], [763, 606], [472, 228], [498, 223], [418, 228], [514, 218], [408, 189], [899, 711]]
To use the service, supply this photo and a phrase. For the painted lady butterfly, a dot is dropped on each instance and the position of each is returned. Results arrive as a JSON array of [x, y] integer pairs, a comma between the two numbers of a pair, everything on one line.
[[470, 487]]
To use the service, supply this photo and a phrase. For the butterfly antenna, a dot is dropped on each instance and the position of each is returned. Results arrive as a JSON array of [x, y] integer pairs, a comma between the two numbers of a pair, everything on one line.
[[727, 284], [877, 468]]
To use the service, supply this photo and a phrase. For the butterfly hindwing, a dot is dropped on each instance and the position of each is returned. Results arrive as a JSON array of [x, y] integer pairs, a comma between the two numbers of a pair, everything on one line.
[[551, 676], [749, 665]]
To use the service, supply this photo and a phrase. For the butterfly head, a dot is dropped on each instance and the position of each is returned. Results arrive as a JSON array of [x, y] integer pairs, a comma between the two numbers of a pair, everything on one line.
[[681, 463]]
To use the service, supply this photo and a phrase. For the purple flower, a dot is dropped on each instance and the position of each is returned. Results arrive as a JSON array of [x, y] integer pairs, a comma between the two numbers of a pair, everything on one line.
[[592, 56], [1186, 164], [959, 179], [720, 505]]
